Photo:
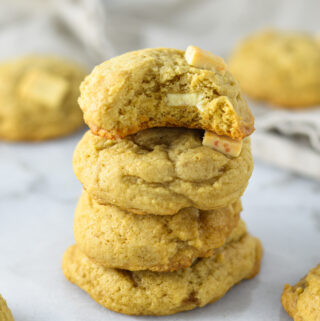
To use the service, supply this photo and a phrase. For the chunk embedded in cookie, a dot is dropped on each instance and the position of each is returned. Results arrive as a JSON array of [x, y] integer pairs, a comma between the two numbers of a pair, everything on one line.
[[43, 88], [223, 144], [204, 59]]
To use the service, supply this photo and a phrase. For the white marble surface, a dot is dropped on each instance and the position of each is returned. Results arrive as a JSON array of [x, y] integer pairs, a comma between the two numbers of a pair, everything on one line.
[[38, 193]]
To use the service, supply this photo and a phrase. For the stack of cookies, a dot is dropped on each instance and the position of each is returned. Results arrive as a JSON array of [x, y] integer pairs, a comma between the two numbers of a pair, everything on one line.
[[163, 167]]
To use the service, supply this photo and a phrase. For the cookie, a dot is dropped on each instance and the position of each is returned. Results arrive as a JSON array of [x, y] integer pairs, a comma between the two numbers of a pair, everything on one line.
[[119, 239], [38, 98], [162, 293], [160, 171], [5, 313], [279, 67], [302, 301], [164, 88]]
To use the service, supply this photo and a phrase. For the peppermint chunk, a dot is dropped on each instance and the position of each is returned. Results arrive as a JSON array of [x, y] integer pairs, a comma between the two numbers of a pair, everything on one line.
[[222, 144], [204, 59]]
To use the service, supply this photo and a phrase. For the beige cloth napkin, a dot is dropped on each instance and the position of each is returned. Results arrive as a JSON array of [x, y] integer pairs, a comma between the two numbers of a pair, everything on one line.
[[288, 139]]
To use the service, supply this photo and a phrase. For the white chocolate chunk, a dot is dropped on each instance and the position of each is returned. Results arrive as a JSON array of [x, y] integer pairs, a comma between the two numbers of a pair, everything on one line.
[[192, 99], [222, 144], [43, 88], [204, 59]]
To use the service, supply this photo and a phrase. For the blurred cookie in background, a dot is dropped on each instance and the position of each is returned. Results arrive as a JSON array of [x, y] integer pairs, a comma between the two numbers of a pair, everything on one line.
[[302, 300], [5, 313], [38, 98], [279, 67]]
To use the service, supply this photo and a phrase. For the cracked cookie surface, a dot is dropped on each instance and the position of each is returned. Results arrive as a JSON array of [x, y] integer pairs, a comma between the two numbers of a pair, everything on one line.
[[38, 98], [5, 313], [302, 301], [280, 67], [162, 293], [158, 88], [160, 171], [119, 239]]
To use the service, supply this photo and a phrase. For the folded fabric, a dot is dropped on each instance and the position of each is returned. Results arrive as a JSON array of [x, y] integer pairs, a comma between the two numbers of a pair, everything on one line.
[[289, 139], [292, 123]]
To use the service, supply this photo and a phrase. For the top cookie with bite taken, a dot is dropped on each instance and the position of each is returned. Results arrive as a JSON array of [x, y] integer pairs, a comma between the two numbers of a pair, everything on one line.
[[164, 88]]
